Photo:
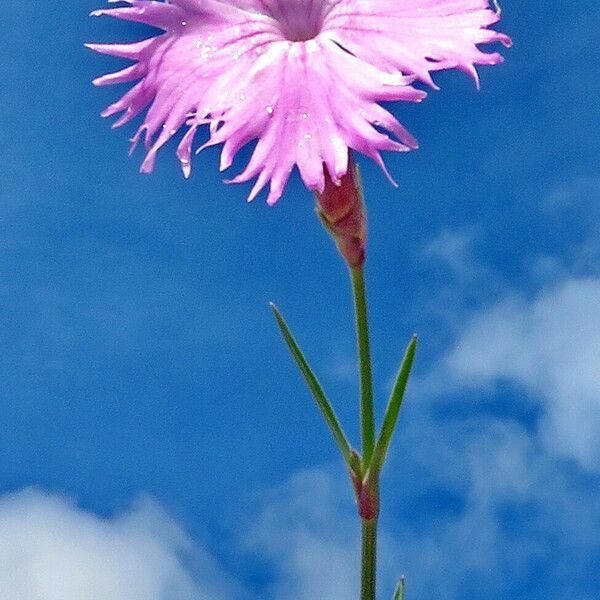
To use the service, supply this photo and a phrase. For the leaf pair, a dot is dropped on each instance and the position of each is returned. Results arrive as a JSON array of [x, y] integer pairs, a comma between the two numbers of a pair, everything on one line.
[[391, 415]]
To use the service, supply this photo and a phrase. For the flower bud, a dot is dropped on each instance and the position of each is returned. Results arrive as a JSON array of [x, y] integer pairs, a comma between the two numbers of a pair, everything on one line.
[[342, 211]]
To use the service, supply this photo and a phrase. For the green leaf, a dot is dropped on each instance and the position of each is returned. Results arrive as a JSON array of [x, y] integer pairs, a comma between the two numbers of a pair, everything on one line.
[[399, 593], [355, 465], [317, 392], [392, 411]]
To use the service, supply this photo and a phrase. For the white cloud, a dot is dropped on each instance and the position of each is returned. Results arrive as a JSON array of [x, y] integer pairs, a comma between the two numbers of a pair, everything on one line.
[[52, 550], [311, 537], [519, 508], [451, 262], [454, 248], [307, 530], [550, 345], [522, 508], [573, 194]]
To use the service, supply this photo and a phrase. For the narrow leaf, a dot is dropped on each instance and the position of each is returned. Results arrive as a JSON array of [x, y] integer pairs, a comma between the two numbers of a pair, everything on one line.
[[355, 465], [393, 409], [317, 391], [399, 593]]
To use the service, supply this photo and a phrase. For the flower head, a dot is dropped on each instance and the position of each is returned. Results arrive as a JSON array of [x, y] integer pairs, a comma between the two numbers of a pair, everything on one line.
[[301, 77]]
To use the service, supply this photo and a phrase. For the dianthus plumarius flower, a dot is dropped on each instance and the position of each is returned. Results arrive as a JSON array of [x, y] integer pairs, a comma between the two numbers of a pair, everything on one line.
[[302, 78]]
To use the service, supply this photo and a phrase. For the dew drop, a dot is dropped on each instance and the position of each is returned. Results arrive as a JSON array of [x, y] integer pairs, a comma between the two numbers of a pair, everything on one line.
[[270, 110]]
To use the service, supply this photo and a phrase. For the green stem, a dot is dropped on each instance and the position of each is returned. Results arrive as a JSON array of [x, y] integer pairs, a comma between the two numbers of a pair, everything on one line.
[[369, 559], [367, 428], [367, 411]]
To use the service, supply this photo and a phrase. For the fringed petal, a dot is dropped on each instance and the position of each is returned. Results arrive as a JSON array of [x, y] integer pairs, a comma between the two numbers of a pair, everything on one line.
[[417, 36]]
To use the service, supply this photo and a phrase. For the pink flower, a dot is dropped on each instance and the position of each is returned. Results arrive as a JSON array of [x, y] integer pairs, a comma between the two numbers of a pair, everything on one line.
[[302, 77]]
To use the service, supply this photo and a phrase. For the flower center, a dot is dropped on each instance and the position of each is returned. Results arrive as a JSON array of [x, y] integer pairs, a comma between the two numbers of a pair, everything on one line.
[[299, 20]]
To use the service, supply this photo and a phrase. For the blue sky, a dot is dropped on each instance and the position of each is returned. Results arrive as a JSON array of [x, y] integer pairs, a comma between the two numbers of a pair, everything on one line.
[[156, 441]]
